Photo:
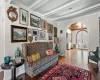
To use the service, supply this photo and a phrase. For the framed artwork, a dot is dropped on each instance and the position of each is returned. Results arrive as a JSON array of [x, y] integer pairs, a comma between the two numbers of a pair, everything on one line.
[[42, 35], [35, 21], [18, 34], [50, 28], [23, 17], [50, 36], [33, 32], [55, 32], [44, 24]]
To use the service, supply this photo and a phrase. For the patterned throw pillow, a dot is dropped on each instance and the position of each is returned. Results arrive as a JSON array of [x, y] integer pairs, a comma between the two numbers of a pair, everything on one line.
[[29, 59], [49, 52], [35, 56]]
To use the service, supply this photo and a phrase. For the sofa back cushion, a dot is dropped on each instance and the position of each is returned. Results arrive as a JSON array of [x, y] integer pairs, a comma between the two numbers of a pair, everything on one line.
[[37, 47]]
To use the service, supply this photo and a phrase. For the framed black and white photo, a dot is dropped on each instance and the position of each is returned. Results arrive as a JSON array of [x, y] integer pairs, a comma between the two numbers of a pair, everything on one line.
[[23, 16], [33, 32], [42, 35], [35, 21]]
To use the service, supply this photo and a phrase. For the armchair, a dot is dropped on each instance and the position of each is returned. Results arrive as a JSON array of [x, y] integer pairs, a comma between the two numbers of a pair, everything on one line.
[[95, 56]]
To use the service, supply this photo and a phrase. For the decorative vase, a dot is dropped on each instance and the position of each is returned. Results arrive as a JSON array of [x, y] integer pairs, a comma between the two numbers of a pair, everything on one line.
[[56, 48], [17, 53], [7, 59], [30, 38]]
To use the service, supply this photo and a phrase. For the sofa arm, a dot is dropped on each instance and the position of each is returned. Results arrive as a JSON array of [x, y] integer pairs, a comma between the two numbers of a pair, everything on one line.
[[92, 53]]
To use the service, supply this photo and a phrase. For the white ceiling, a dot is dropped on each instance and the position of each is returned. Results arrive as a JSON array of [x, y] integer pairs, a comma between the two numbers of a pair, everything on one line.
[[59, 10]]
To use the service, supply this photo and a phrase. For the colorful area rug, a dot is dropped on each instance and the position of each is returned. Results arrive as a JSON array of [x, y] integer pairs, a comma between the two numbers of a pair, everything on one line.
[[67, 72]]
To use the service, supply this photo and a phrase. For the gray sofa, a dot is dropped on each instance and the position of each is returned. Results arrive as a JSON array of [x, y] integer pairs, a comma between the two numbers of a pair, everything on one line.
[[43, 63]]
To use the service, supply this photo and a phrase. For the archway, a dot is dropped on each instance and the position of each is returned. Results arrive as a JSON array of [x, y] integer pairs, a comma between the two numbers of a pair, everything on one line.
[[75, 30]]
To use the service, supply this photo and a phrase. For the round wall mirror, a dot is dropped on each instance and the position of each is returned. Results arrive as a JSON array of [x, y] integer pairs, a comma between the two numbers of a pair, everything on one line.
[[12, 14]]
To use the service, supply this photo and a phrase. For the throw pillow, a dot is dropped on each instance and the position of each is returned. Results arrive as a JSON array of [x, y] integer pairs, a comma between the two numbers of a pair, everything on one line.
[[35, 56], [49, 52], [29, 59]]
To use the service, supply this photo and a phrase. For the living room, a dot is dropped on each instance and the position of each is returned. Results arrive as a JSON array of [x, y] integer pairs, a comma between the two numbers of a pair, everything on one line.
[[88, 15]]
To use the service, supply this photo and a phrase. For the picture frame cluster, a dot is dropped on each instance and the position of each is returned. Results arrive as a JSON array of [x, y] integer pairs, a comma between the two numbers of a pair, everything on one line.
[[29, 19]]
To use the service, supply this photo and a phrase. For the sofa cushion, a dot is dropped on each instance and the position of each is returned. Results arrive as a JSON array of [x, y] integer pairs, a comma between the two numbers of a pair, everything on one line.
[[37, 64], [35, 56], [49, 52]]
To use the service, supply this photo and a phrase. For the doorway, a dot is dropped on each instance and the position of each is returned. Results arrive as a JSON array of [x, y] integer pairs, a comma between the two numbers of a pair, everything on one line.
[[82, 39], [77, 36]]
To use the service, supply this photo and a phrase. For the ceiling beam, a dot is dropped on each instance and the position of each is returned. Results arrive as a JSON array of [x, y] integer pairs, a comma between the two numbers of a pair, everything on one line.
[[35, 7], [34, 4], [78, 12], [57, 9]]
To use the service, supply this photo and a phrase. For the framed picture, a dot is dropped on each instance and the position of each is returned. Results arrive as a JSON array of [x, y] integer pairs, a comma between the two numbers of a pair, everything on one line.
[[42, 35], [18, 34], [55, 32], [33, 32], [35, 21], [23, 17], [50, 28], [44, 24], [50, 36]]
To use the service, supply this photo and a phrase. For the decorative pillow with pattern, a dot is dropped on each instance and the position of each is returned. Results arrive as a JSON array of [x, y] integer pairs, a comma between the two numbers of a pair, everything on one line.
[[35, 56], [49, 52]]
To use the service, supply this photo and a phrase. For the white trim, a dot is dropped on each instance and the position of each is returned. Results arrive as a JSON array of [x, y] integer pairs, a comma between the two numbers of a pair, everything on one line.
[[34, 4], [35, 7], [78, 12], [59, 8]]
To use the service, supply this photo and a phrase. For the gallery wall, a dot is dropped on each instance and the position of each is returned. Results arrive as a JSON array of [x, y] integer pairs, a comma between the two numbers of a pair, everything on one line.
[[11, 47], [92, 23]]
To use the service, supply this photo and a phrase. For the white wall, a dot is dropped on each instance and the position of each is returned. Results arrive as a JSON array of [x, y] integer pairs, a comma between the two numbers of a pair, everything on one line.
[[2, 31], [92, 23], [11, 47]]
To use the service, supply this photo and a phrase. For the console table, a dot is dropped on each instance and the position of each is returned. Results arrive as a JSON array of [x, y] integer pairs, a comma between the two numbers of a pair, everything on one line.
[[12, 67]]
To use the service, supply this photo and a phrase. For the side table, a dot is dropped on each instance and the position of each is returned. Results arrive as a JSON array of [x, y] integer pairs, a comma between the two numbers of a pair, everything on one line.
[[13, 67]]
